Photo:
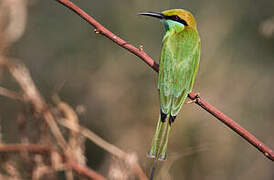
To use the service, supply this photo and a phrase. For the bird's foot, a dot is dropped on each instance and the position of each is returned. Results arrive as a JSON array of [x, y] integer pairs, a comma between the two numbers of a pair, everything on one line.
[[197, 96], [191, 101]]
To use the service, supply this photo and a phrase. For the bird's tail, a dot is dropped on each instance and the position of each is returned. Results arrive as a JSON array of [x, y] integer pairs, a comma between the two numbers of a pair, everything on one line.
[[160, 139]]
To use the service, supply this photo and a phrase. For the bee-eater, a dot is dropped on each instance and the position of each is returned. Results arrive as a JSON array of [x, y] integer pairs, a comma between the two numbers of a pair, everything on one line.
[[179, 64]]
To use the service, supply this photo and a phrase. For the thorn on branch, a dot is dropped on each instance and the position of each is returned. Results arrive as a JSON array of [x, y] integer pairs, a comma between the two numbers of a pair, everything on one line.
[[97, 31], [141, 48]]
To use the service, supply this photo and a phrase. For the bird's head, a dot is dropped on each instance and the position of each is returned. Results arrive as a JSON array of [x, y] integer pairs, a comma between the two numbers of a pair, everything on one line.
[[174, 16]]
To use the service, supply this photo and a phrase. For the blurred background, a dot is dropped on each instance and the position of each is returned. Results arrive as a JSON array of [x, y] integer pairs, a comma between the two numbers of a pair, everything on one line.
[[117, 93]]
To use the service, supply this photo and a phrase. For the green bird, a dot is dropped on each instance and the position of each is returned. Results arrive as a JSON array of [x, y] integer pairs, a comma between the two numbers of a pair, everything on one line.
[[179, 64]]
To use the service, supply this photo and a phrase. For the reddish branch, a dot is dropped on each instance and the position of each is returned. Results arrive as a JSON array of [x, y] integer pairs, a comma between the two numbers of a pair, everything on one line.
[[148, 60], [84, 170], [24, 147], [36, 148]]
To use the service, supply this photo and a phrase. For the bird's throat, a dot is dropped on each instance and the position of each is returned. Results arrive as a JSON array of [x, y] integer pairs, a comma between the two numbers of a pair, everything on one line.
[[173, 26]]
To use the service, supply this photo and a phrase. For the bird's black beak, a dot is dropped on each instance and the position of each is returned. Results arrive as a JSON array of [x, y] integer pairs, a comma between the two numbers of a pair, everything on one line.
[[153, 14]]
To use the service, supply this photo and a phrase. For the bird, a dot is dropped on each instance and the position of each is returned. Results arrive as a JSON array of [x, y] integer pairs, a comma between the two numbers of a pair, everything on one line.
[[178, 66]]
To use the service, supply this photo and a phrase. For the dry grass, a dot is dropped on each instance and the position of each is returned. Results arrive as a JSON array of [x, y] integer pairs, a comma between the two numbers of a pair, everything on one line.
[[66, 147]]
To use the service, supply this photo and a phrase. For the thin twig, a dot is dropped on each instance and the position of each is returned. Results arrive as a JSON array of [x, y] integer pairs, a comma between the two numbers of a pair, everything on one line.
[[94, 138], [10, 94], [24, 147], [268, 152], [35, 148], [83, 170], [21, 74], [99, 29], [106, 146], [75, 141]]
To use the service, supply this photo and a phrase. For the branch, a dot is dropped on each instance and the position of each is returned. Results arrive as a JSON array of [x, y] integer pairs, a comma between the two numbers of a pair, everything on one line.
[[24, 147], [31, 94], [268, 152], [130, 159], [21, 74], [10, 94], [35, 148]]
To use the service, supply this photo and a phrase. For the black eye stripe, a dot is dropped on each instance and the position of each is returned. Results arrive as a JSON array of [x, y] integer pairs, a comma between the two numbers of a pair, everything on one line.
[[178, 19]]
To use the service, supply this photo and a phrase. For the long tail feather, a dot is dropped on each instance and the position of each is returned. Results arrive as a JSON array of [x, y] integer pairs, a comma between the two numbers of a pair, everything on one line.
[[156, 139], [163, 146], [160, 140]]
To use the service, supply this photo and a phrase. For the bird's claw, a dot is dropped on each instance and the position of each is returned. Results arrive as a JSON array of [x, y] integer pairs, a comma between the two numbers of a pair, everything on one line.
[[197, 96], [191, 101]]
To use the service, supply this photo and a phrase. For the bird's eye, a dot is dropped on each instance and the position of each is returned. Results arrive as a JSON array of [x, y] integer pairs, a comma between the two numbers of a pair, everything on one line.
[[178, 19]]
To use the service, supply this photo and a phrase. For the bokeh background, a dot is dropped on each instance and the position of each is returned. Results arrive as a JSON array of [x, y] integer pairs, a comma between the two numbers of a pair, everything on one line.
[[118, 94]]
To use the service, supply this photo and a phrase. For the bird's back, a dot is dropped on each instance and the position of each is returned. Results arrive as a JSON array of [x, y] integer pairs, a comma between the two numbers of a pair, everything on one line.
[[178, 65]]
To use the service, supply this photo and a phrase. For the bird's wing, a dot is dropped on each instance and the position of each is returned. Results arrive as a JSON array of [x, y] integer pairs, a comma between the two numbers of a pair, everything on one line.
[[165, 77], [178, 66], [184, 86]]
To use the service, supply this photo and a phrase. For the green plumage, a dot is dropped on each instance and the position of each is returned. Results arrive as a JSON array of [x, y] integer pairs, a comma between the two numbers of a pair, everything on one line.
[[178, 67]]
